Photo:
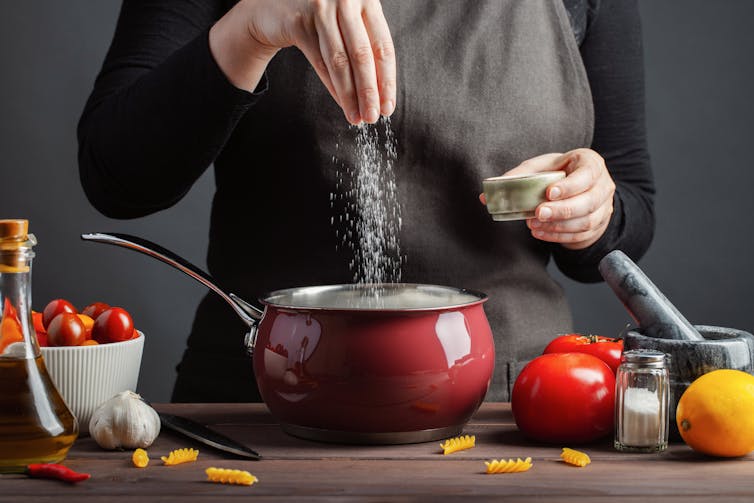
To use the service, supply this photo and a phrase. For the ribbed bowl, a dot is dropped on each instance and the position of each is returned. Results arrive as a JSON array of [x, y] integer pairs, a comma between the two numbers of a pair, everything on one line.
[[87, 376]]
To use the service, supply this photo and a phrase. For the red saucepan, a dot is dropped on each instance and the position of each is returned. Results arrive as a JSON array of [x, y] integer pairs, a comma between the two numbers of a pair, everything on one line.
[[380, 364]]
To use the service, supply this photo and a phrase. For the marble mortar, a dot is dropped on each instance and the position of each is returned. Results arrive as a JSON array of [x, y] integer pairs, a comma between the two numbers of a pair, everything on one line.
[[722, 348], [693, 350]]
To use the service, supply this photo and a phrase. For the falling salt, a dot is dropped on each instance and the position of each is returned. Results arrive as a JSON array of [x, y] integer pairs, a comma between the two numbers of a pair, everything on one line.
[[372, 213]]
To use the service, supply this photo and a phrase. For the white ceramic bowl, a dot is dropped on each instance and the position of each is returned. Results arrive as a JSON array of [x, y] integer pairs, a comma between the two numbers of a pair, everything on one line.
[[87, 376]]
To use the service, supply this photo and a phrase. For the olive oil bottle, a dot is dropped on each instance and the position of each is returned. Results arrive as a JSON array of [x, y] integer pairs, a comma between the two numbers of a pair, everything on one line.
[[36, 426]]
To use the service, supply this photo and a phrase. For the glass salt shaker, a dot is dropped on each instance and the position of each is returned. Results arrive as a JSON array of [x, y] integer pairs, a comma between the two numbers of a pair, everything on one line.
[[642, 399]]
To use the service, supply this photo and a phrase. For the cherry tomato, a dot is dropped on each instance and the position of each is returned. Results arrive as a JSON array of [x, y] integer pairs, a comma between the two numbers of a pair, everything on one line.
[[564, 398], [66, 329], [113, 325], [54, 308], [95, 309], [39, 328], [88, 324], [42, 339], [605, 348], [36, 318]]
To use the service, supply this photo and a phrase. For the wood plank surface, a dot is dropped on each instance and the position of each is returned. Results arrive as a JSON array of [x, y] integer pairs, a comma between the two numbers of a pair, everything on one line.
[[300, 470]]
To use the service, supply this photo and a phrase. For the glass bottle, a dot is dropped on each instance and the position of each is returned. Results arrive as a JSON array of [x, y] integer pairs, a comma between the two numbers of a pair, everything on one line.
[[642, 399], [36, 426]]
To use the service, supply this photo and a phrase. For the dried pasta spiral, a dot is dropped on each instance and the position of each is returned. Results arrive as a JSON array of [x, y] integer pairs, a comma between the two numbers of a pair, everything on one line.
[[508, 466], [229, 476], [179, 456], [458, 444], [139, 458], [574, 457]]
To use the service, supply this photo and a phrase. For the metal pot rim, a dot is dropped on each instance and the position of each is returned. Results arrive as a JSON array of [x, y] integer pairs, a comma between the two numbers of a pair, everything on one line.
[[374, 297]]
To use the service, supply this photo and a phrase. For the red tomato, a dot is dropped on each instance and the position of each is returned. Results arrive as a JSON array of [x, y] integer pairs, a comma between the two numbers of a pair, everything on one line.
[[95, 309], [66, 329], [39, 328], [88, 324], [54, 308], [42, 339], [36, 318], [605, 348], [564, 398], [113, 325]]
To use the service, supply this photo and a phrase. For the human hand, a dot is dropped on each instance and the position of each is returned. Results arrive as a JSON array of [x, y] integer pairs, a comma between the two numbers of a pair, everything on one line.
[[578, 207], [347, 42]]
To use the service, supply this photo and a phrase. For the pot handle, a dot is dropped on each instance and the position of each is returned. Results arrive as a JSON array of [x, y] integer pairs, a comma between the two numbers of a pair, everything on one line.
[[248, 313]]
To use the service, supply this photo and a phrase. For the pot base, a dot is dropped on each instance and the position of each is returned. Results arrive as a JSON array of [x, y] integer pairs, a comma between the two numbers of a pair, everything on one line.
[[367, 438]]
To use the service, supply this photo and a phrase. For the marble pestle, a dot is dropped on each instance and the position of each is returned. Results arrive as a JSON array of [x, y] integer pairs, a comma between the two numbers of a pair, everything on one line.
[[651, 310]]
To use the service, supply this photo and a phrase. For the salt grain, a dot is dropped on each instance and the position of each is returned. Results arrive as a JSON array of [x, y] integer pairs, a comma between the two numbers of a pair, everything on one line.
[[372, 213]]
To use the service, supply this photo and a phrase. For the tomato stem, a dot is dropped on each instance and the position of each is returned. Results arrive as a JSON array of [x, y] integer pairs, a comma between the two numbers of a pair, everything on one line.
[[593, 339]]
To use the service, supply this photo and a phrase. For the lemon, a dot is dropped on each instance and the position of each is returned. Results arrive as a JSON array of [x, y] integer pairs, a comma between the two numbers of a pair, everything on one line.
[[715, 415]]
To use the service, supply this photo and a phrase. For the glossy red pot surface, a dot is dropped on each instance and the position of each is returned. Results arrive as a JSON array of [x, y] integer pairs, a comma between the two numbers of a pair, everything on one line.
[[400, 367], [388, 363]]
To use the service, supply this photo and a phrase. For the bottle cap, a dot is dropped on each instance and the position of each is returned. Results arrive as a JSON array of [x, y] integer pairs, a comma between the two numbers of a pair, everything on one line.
[[15, 245], [14, 229], [647, 357]]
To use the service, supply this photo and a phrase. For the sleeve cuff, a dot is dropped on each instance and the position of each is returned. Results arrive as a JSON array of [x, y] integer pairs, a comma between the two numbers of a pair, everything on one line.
[[581, 265], [219, 85]]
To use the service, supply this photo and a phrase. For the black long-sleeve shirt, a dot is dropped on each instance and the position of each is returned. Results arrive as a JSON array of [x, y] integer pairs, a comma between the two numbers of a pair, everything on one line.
[[161, 112]]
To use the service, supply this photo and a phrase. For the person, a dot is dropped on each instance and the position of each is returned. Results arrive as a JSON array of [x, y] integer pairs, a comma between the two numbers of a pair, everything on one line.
[[267, 91]]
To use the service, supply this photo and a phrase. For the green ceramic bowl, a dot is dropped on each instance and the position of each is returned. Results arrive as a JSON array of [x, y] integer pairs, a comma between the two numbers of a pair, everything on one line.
[[516, 197]]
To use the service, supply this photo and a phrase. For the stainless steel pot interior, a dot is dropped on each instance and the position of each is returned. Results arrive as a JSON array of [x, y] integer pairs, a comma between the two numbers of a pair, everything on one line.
[[373, 297]]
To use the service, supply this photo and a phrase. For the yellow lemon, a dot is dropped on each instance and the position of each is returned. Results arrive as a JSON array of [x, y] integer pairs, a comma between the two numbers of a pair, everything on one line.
[[715, 415]]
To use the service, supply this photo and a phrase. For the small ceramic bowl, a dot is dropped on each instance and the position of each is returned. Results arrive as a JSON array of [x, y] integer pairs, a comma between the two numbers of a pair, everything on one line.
[[87, 376], [515, 197]]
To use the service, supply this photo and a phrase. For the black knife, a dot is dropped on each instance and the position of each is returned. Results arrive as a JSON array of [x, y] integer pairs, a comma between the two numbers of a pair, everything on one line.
[[205, 435]]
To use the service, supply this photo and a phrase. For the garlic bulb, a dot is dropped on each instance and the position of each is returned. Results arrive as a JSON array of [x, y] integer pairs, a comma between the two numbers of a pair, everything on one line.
[[124, 421]]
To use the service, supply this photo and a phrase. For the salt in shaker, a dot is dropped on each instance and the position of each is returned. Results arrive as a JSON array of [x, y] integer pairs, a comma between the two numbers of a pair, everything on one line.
[[642, 398]]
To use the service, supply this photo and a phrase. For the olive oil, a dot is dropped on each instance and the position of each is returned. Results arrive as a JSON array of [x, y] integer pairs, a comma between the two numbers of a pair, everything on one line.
[[35, 424]]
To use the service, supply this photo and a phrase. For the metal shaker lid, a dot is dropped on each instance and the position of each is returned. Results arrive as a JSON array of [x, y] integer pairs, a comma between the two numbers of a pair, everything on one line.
[[644, 357]]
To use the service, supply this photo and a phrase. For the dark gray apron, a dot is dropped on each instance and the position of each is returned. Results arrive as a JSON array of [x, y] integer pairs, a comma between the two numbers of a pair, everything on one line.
[[483, 85]]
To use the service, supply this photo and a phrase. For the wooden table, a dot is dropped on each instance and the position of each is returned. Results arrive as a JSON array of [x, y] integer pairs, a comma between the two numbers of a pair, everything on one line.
[[300, 470]]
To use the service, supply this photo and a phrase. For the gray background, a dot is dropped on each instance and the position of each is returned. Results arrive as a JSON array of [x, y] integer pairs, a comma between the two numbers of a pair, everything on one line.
[[700, 104]]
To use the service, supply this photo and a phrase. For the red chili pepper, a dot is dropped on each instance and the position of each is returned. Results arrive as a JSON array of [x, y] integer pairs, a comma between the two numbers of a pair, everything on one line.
[[53, 471]]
